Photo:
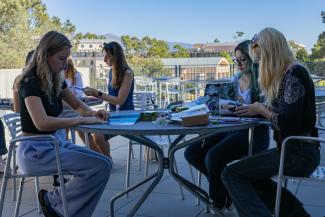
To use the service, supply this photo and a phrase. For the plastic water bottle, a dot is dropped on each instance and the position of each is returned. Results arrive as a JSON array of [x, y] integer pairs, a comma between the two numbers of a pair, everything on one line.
[[117, 109]]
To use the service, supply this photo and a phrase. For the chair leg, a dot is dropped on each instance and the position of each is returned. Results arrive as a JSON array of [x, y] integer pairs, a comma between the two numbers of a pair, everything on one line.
[[14, 171], [20, 192], [37, 189], [63, 195], [73, 136], [5, 182], [128, 164], [278, 197]]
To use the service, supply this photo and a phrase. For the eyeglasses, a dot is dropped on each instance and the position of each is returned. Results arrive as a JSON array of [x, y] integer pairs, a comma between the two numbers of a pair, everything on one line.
[[254, 40], [239, 61]]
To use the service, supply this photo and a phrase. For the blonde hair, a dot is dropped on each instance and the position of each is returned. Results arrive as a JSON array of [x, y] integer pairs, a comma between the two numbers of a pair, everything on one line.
[[70, 72], [275, 58], [51, 43]]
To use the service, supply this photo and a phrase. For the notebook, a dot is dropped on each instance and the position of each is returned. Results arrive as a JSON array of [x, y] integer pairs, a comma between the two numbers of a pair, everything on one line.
[[124, 119]]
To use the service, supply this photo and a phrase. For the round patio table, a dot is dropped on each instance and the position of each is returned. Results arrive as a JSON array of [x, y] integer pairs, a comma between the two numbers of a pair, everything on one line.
[[139, 132]]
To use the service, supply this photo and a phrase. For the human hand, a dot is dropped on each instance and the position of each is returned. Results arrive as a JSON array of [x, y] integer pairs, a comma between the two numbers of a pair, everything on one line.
[[250, 110], [101, 114], [90, 120], [90, 91]]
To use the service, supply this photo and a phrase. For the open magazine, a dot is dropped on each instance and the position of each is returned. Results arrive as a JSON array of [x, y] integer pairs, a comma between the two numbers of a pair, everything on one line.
[[227, 107], [193, 111]]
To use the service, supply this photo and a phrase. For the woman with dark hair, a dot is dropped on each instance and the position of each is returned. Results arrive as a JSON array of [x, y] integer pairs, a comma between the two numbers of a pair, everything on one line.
[[120, 85], [290, 95], [41, 91], [213, 154], [15, 86]]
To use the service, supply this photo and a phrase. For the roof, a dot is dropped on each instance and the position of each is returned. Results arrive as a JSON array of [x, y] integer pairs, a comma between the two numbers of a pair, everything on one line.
[[193, 61], [92, 41]]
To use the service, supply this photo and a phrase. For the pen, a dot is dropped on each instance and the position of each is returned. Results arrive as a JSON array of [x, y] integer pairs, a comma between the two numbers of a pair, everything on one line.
[[79, 88]]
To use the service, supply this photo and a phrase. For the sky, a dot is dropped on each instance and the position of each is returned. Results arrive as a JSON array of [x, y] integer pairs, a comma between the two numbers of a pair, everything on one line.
[[193, 21]]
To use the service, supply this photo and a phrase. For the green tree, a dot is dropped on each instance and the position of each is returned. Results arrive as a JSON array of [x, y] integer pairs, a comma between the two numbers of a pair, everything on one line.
[[158, 48], [226, 55], [22, 24], [302, 55], [180, 52], [318, 51], [216, 40]]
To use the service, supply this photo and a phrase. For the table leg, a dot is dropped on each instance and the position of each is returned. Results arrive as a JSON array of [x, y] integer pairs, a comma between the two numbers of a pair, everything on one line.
[[194, 189], [157, 175], [250, 141]]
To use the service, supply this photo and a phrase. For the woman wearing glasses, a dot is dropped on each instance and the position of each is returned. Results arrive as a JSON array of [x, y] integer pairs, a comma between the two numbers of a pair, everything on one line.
[[290, 107], [213, 154], [120, 86]]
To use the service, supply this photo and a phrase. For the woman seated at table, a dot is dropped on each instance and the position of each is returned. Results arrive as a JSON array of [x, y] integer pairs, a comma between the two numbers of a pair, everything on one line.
[[213, 154], [73, 79], [41, 90], [120, 85], [290, 96]]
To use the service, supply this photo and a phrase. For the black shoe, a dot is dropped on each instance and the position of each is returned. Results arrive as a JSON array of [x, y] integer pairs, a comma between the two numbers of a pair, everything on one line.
[[56, 181], [47, 210]]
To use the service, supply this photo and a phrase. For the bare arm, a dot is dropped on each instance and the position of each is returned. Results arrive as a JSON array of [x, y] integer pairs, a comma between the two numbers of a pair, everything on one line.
[[42, 121], [122, 94], [80, 106], [16, 101], [76, 103]]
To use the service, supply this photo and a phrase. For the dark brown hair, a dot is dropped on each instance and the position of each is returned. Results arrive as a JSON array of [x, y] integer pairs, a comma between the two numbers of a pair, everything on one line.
[[116, 51]]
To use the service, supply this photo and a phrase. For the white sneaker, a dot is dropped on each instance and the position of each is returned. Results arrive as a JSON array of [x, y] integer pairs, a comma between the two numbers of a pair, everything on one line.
[[216, 211]]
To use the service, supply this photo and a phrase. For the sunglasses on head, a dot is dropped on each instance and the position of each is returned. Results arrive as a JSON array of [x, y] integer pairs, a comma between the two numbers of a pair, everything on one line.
[[254, 40], [109, 47]]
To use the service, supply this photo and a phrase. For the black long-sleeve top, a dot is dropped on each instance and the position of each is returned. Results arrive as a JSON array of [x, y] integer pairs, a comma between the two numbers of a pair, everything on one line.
[[294, 107]]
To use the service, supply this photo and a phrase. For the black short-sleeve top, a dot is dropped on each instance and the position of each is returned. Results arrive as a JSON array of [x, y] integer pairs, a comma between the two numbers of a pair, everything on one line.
[[30, 85]]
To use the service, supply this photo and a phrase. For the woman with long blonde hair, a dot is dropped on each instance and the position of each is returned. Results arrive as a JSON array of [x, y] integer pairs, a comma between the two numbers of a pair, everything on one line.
[[290, 95], [41, 91], [73, 79]]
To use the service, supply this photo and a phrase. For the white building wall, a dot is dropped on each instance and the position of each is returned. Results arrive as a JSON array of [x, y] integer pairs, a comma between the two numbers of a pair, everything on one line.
[[7, 77]]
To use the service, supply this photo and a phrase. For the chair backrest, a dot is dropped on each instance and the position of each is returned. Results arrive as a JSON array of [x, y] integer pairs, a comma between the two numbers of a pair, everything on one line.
[[144, 100], [12, 121]]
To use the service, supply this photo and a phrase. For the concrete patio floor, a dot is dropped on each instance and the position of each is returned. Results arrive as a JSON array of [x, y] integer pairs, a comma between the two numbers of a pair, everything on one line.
[[164, 201]]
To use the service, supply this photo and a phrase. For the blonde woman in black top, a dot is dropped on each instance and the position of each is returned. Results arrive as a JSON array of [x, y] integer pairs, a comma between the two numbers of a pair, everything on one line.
[[290, 107]]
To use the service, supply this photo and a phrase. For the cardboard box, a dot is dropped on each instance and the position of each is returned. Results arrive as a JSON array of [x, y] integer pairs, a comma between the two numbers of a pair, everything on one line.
[[195, 120]]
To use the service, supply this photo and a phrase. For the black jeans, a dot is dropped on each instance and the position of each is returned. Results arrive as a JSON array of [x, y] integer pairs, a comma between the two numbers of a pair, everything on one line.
[[250, 185], [220, 149]]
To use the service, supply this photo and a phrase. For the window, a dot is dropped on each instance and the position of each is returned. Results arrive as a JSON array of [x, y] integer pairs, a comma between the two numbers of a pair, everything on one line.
[[91, 62], [90, 46], [82, 46]]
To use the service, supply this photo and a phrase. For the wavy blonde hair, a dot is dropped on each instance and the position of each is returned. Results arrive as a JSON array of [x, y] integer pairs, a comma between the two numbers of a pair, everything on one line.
[[275, 58], [51, 43], [70, 72]]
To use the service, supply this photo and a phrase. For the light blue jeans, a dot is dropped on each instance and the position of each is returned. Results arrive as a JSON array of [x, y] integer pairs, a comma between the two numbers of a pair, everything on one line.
[[90, 171]]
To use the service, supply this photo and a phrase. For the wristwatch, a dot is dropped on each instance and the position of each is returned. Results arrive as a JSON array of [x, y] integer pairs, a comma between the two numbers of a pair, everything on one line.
[[99, 94]]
